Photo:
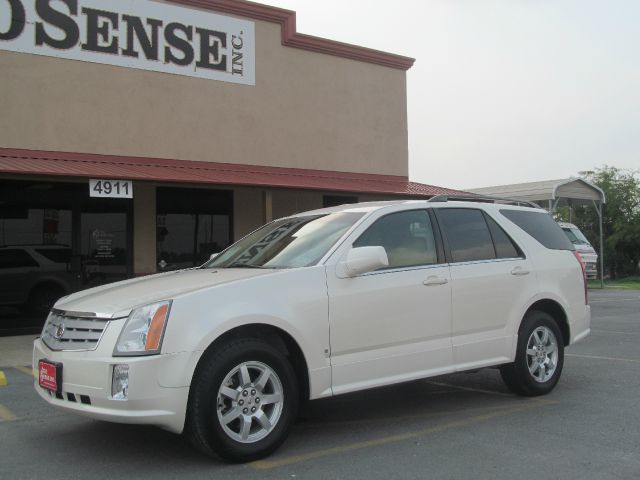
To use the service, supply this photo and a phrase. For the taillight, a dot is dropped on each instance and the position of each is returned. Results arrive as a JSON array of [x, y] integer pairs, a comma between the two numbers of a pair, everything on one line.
[[584, 275]]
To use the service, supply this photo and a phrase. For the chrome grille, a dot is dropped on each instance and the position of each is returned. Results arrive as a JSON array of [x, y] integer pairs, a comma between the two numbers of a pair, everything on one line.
[[66, 332]]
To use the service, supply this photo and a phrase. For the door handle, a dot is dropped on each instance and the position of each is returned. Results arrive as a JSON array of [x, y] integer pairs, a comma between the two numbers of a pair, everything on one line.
[[519, 271], [434, 280]]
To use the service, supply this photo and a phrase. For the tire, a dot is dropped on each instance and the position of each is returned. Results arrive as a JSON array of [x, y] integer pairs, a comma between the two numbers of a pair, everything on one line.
[[43, 297], [228, 415], [540, 347]]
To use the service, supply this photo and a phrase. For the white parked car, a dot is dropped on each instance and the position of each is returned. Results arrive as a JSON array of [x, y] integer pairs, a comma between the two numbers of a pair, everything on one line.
[[318, 304], [583, 247]]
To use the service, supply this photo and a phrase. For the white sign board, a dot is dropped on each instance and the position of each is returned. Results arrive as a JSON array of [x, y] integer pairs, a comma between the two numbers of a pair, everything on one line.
[[111, 188], [141, 34]]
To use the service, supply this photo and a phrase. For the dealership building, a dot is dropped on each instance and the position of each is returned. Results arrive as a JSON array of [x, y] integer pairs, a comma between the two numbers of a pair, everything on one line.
[[143, 136]]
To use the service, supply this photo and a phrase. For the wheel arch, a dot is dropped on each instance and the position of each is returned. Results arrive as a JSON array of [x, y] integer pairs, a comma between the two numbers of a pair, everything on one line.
[[275, 336], [557, 312]]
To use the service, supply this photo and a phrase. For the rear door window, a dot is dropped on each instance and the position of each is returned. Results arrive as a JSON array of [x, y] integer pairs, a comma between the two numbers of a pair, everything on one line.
[[541, 226], [467, 234]]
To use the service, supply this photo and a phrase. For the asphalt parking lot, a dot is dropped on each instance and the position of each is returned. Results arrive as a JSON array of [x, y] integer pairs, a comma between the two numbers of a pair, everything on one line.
[[451, 427]]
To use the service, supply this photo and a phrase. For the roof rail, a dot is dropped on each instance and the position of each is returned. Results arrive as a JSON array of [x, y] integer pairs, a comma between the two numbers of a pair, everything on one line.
[[482, 199]]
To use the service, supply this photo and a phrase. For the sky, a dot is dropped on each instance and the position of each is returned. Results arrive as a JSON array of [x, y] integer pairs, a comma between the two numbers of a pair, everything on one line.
[[503, 91]]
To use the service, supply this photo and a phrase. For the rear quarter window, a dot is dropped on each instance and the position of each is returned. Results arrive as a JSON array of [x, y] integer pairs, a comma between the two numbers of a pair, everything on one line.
[[541, 226]]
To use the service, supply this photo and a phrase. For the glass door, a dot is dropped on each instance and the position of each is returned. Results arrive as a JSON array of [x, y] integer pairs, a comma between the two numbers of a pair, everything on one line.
[[104, 241]]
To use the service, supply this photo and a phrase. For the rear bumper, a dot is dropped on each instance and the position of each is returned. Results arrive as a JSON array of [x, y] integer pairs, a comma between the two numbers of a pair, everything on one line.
[[86, 388], [581, 327]]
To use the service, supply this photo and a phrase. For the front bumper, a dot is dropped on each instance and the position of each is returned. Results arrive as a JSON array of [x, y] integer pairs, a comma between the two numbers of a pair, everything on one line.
[[86, 386]]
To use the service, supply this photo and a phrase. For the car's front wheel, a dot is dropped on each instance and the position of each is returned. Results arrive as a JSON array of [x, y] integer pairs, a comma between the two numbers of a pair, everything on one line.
[[539, 357], [243, 401]]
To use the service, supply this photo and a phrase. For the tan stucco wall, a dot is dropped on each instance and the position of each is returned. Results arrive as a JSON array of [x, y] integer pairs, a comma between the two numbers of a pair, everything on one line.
[[288, 202], [144, 228], [248, 211], [249, 205], [307, 110]]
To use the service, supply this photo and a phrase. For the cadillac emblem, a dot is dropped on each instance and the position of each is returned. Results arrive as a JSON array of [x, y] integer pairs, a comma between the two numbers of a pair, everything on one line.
[[59, 332]]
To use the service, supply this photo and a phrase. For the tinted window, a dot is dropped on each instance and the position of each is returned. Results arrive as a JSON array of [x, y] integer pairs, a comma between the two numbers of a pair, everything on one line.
[[467, 233], [540, 226], [58, 255], [407, 238], [505, 248], [16, 258]]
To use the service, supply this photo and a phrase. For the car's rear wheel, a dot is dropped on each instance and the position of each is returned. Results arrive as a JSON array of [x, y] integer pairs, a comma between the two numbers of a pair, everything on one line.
[[539, 357], [243, 401]]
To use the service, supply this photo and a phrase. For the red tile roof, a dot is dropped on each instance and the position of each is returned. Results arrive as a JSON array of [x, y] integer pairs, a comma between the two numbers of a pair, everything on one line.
[[35, 162]]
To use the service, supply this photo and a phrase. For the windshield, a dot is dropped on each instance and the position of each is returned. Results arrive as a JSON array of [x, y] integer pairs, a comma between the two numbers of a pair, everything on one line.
[[287, 243], [576, 236]]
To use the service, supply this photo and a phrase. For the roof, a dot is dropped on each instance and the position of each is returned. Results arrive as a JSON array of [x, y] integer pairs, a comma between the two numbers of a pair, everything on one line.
[[431, 202], [575, 189], [291, 38], [364, 207], [44, 163]]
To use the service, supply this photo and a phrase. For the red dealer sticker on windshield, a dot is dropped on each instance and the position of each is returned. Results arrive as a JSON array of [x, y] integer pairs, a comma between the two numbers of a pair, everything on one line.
[[48, 375]]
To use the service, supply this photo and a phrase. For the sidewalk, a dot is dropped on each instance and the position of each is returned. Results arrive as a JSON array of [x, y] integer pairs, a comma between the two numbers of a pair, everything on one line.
[[16, 351]]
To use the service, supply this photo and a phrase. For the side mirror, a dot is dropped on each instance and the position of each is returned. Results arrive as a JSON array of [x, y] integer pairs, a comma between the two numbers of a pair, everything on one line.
[[362, 260], [213, 255]]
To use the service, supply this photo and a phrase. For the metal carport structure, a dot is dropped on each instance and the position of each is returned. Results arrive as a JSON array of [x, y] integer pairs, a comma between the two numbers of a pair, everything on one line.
[[551, 194]]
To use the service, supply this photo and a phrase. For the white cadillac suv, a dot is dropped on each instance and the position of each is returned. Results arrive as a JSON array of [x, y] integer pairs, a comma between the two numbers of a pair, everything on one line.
[[319, 304]]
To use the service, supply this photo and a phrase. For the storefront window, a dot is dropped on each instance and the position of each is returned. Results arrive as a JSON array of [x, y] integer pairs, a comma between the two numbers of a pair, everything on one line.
[[54, 240], [191, 224], [335, 200]]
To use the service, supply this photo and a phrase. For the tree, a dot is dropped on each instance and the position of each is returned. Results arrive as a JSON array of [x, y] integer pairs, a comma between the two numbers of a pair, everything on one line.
[[620, 220]]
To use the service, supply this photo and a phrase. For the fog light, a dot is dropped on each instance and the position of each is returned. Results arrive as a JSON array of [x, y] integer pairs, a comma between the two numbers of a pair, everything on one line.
[[120, 382]]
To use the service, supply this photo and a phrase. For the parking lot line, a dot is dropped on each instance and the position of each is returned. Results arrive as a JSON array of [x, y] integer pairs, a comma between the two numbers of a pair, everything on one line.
[[609, 300], [614, 332], [596, 357], [6, 415], [3, 379], [270, 464], [25, 370]]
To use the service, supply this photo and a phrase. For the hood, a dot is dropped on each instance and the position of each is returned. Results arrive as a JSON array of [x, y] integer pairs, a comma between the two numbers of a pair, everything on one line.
[[116, 300]]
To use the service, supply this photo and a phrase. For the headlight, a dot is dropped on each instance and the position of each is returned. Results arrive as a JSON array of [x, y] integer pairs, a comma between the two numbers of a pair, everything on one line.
[[143, 332]]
